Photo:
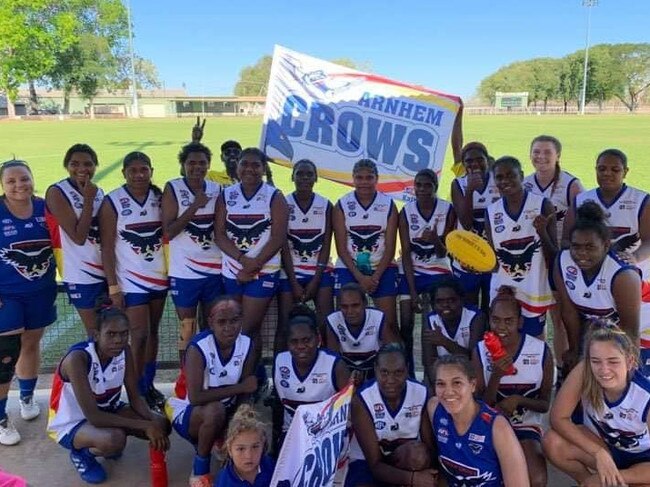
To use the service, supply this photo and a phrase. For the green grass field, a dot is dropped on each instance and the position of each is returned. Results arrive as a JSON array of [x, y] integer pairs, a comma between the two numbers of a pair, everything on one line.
[[43, 143]]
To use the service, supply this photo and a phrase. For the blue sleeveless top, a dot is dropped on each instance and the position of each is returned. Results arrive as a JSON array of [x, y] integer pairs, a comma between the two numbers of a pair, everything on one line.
[[26, 258], [468, 459]]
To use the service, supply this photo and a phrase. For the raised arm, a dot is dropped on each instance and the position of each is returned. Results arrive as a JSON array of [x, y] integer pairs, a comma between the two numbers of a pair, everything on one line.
[[173, 224], [76, 228]]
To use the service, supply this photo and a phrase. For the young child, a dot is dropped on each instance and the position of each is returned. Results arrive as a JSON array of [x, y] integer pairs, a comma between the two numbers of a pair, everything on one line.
[[247, 464]]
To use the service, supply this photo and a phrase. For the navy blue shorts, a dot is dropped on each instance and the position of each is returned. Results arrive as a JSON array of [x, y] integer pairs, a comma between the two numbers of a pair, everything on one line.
[[534, 325], [85, 296], [528, 434], [359, 474], [624, 460], [326, 280], [473, 282], [423, 283], [644, 361], [30, 311], [187, 293], [387, 283], [138, 299], [182, 424], [265, 286]]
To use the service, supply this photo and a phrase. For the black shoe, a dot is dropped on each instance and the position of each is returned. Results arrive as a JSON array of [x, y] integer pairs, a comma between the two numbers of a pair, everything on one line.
[[157, 395], [155, 400]]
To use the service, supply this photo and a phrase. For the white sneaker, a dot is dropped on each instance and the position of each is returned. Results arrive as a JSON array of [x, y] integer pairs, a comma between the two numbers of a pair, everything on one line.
[[29, 409], [8, 433]]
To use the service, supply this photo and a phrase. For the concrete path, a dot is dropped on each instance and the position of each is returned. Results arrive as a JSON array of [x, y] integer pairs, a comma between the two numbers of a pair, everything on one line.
[[45, 464]]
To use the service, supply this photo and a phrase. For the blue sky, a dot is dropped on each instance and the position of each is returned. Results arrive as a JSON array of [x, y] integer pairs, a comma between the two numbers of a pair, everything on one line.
[[444, 45]]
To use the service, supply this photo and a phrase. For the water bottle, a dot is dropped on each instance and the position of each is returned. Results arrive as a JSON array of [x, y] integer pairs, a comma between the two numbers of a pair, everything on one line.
[[158, 468]]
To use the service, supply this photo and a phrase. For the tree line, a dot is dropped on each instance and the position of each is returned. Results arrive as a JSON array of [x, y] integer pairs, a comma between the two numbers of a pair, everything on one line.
[[70, 45], [614, 71]]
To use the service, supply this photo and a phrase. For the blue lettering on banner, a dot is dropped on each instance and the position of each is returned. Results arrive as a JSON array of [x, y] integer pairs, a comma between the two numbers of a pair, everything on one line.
[[320, 464], [347, 130]]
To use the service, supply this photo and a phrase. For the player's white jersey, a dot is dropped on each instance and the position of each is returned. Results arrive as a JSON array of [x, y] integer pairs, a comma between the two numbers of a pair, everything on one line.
[[318, 384], [306, 232], [358, 350], [248, 225], [366, 229], [592, 298], [527, 382], [77, 264], [105, 384], [423, 254], [481, 199], [393, 428], [622, 214], [463, 331], [520, 258], [557, 192], [193, 253], [218, 372], [622, 425], [139, 257]]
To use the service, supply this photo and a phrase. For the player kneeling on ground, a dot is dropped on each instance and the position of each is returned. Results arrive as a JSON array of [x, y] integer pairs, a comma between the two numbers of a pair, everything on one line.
[[218, 373], [392, 433], [86, 414], [612, 447]]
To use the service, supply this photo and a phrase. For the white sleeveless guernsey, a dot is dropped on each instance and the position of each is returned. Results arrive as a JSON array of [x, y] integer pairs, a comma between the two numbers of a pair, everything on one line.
[[358, 350], [248, 225], [622, 217], [622, 425], [216, 373], [318, 384], [527, 382], [366, 229], [557, 193], [463, 331], [592, 298], [139, 257], [393, 428], [423, 254], [105, 384], [480, 200], [77, 264], [193, 254], [520, 258], [306, 232]]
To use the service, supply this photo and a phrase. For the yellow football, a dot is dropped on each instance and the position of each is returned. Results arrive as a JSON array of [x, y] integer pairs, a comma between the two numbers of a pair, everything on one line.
[[471, 250]]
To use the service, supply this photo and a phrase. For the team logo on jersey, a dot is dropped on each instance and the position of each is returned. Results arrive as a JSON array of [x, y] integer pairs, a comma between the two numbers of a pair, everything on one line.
[[285, 373], [145, 238], [621, 439], [365, 238], [31, 258], [246, 230], [466, 475], [560, 215], [516, 256], [422, 250], [306, 243], [622, 241], [200, 229]]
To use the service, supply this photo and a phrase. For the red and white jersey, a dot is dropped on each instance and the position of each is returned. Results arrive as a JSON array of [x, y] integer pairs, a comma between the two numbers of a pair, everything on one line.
[[306, 232], [463, 332], [318, 384], [423, 254], [139, 258], [77, 264], [248, 225], [521, 262], [105, 383], [527, 382], [393, 428], [358, 349], [556, 192], [623, 214], [366, 228], [193, 253]]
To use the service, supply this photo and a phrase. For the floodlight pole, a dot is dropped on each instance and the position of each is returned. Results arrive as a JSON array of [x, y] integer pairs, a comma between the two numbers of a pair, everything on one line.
[[135, 109], [583, 97]]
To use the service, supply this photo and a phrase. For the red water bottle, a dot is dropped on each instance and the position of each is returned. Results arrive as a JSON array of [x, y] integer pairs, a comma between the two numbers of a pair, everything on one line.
[[497, 352], [158, 468], [180, 388]]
